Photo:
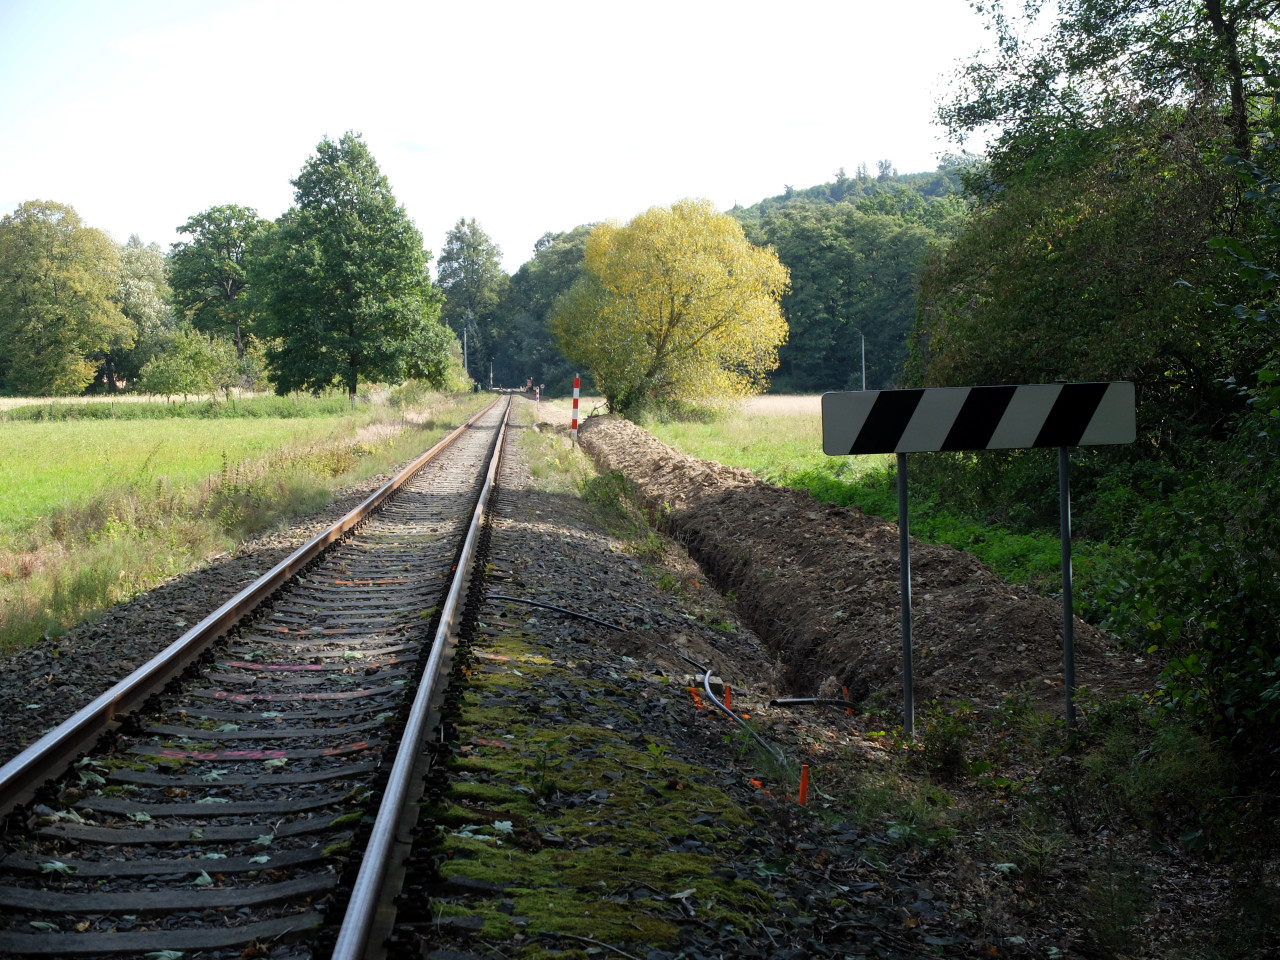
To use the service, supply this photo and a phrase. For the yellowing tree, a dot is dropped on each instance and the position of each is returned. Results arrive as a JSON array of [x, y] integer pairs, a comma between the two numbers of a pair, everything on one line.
[[675, 307]]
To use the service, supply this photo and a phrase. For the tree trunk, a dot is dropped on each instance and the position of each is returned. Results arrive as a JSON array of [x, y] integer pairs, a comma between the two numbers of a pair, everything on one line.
[[1227, 34]]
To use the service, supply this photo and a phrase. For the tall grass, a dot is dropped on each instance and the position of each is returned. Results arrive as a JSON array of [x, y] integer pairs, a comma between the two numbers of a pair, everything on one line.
[[268, 406], [93, 512]]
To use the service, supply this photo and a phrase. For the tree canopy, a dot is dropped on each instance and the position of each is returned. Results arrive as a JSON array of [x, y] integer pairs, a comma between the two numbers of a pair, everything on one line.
[[854, 275], [1078, 277], [144, 297], [525, 344], [675, 307], [469, 271], [1054, 92], [209, 273], [342, 281], [58, 300]]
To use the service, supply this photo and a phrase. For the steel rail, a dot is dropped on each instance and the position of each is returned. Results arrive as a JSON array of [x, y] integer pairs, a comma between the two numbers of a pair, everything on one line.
[[52, 753], [366, 895]]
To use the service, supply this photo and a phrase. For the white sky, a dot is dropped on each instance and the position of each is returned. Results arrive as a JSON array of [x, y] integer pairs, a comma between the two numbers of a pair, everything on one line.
[[529, 116]]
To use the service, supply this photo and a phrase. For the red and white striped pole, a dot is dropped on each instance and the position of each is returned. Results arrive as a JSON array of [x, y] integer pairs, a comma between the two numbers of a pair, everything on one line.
[[576, 384]]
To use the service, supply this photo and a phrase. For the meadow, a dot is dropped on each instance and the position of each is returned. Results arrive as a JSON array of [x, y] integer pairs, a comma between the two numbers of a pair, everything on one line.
[[51, 465], [98, 503]]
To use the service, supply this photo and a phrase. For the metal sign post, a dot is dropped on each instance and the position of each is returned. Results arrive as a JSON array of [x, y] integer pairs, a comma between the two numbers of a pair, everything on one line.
[[1068, 606], [1058, 415], [904, 580]]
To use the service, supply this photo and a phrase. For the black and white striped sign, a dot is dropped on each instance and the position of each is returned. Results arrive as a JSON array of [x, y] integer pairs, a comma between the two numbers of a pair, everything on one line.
[[977, 418]]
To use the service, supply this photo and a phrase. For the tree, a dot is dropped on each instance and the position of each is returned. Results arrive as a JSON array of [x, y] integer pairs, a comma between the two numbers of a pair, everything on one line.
[[342, 281], [58, 288], [210, 273], [143, 295], [469, 271], [854, 275], [1078, 277], [525, 345], [675, 307], [1056, 95], [189, 363]]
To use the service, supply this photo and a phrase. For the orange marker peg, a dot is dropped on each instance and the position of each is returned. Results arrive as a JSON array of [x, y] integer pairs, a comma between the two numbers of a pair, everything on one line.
[[728, 696], [848, 710], [804, 785]]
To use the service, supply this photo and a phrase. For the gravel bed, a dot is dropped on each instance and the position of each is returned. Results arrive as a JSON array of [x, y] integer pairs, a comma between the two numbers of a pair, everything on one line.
[[44, 684], [601, 726], [830, 888]]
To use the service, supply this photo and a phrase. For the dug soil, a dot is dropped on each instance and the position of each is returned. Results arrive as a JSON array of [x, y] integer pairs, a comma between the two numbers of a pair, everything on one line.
[[595, 803], [822, 585]]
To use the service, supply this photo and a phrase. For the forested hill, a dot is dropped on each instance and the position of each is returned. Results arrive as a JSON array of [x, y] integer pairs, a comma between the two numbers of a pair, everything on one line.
[[908, 195], [855, 248]]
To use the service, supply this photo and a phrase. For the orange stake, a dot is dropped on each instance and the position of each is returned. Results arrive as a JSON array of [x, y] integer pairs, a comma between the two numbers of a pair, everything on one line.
[[804, 785], [728, 696], [848, 710]]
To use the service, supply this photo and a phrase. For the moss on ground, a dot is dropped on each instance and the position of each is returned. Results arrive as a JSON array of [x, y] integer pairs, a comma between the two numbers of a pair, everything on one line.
[[613, 857]]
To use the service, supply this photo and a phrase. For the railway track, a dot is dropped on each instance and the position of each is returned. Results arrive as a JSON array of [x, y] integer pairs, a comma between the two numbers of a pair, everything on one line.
[[251, 807]]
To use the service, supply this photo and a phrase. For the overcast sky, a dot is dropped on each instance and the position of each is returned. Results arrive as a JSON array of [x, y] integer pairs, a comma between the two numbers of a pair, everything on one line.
[[529, 116]]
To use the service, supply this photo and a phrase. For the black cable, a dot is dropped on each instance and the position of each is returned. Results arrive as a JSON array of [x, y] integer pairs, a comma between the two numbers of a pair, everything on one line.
[[706, 686], [552, 606]]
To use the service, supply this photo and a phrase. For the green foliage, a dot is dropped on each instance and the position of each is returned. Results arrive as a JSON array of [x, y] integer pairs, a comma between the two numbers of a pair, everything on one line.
[[1165, 777], [58, 300], [190, 363], [1205, 591], [943, 737], [469, 271], [929, 199], [209, 274], [854, 249], [342, 281], [1073, 277], [525, 344], [144, 295], [853, 275], [1054, 89]]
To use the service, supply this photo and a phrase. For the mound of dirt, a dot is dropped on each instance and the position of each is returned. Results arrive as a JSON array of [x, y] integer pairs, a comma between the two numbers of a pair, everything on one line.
[[820, 584]]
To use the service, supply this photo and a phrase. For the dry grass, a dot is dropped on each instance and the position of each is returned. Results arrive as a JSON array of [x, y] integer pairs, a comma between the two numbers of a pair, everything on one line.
[[785, 405], [9, 403]]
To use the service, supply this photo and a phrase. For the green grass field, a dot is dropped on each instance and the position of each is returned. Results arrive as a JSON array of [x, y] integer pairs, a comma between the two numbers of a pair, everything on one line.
[[778, 438], [59, 464], [94, 510]]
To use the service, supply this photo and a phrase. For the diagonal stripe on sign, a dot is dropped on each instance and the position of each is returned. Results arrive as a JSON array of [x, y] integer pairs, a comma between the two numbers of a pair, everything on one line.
[[1071, 413], [887, 420], [977, 418]]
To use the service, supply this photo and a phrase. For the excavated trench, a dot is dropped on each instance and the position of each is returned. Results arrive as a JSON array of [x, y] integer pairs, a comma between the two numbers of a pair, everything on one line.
[[820, 585]]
